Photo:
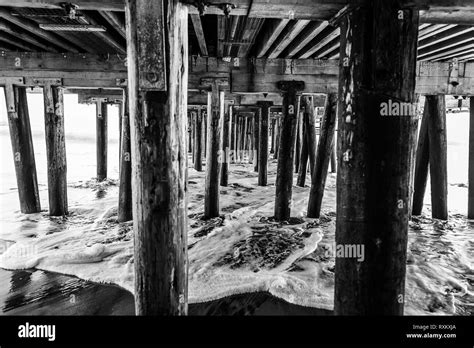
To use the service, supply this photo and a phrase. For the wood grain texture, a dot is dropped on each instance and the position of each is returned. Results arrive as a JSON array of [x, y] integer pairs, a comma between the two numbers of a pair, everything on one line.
[[159, 170], [378, 64], [23, 152], [438, 156], [320, 170], [55, 150], [125, 207], [421, 164], [101, 139]]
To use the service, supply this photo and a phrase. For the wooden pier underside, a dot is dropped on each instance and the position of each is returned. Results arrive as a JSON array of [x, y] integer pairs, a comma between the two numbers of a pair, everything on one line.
[[228, 85]]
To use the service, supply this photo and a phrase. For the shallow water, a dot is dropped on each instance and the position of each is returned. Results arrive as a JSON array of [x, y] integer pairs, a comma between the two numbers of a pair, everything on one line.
[[91, 245]]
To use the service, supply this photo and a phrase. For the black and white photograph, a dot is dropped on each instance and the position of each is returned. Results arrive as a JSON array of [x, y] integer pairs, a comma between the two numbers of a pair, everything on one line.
[[257, 160]]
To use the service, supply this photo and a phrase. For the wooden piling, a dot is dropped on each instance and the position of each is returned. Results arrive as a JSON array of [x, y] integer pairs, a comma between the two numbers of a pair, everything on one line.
[[101, 138], [198, 141], [204, 132], [311, 137], [256, 141], [55, 149], [238, 146], [470, 201], [318, 181], [22, 146], [159, 156], [377, 66], [277, 137], [125, 185], [303, 170], [224, 155], [438, 156], [272, 148], [214, 125], [299, 136], [263, 142], [245, 137], [333, 157], [284, 178], [421, 164], [120, 121]]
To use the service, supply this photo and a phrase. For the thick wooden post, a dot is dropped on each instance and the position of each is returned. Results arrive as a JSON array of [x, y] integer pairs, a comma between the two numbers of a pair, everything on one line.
[[193, 129], [55, 149], [438, 156], [214, 125], [284, 178], [238, 141], [190, 134], [198, 141], [125, 189], [470, 202], [22, 146], [272, 148], [421, 163], [303, 170], [299, 136], [263, 142], [256, 135], [233, 146], [377, 68], [318, 181], [224, 155], [245, 137], [311, 137], [204, 132], [277, 137], [157, 33], [101, 136], [250, 139], [120, 121], [333, 157]]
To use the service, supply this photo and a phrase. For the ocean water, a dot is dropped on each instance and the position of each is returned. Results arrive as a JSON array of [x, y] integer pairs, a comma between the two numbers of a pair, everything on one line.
[[91, 245]]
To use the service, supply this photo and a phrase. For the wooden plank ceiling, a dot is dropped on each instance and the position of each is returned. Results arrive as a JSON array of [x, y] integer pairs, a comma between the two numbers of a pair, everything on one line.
[[215, 35]]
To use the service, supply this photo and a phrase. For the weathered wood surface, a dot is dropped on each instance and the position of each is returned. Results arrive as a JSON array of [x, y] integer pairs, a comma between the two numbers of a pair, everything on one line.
[[299, 136], [320, 170], [159, 160], [308, 104], [125, 207], [333, 158], [263, 143], [101, 139], [198, 141], [375, 154], [224, 154], [259, 75], [214, 126], [470, 202], [55, 150], [255, 139], [22, 146], [435, 10], [438, 148], [277, 138], [303, 162], [421, 163], [284, 177]]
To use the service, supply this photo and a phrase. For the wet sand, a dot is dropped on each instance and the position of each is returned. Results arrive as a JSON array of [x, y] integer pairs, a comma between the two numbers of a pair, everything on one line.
[[36, 292]]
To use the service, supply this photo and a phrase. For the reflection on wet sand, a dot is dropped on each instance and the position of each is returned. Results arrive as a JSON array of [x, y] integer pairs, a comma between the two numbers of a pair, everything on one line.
[[35, 292]]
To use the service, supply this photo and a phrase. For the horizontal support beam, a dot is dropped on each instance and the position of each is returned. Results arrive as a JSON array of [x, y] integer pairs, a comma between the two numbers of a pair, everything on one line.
[[248, 76], [433, 11]]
